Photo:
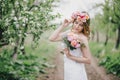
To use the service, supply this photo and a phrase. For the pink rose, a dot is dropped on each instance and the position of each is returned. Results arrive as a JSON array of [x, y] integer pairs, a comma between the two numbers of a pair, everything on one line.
[[78, 45], [74, 43], [79, 18]]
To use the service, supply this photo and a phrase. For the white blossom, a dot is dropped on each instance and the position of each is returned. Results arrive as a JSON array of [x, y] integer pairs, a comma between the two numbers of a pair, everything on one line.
[[35, 8], [22, 47], [20, 31], [19, 35], [13, 44], [23, 24], [12, 13], [15, 18], [25, 0], [16, 3], [17, 25]]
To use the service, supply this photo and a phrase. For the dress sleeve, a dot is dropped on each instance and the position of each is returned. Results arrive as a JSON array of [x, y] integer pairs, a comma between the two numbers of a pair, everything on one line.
[[64, 34]]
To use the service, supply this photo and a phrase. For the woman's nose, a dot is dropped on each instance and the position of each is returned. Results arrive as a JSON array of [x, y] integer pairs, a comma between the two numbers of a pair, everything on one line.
[[77, 25]]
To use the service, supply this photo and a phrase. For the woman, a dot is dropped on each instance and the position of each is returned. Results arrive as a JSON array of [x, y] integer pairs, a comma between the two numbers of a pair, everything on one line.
[[74, 60]]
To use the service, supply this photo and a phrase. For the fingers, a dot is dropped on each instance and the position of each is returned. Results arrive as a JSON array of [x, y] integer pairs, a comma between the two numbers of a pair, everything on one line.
[[71, 20], [66, 50], [66, 21]]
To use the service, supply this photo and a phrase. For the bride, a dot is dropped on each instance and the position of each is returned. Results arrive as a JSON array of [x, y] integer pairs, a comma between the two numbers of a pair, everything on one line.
[[75, 59]]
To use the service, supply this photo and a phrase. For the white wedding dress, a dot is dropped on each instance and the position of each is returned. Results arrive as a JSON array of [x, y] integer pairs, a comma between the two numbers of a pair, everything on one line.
[[72, 69]]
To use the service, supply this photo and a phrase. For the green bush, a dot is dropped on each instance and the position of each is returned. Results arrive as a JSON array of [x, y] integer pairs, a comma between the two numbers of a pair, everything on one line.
[[28, 66], [112, 63], [108, 58]]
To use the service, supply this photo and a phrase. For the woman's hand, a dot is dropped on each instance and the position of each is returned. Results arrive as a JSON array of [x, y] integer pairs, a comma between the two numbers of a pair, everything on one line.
[[67, 22], [67, 52]]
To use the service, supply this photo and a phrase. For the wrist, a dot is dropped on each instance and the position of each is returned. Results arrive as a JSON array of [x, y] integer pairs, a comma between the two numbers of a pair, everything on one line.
[[69, 55], [63, 26]]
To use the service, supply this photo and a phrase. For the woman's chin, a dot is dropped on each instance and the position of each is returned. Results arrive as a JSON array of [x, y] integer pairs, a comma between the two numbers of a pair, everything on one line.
[[76, 30]]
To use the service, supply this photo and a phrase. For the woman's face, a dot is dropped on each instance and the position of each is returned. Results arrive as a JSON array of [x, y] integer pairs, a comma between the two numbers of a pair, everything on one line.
[[77, 26]]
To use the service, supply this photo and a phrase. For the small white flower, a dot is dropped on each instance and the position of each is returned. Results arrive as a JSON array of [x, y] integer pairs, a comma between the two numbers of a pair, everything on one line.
[[22, 47], [13, 44], [25, 0], [26, 19], [15, 18], [16, 3], [20, 31], [23, 24], [31, 13], [17, 25]]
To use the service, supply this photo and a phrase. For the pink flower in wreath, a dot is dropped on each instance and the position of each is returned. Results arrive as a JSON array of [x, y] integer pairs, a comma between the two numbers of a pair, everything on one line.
[[80, 16], [75, 14]]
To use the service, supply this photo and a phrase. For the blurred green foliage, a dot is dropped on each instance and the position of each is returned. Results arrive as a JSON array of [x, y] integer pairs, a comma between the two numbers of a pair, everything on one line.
[[20, 18], [108, 57], [30, 65]]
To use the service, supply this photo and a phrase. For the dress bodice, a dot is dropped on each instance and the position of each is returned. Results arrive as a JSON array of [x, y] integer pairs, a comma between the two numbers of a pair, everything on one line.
[[76, 52]]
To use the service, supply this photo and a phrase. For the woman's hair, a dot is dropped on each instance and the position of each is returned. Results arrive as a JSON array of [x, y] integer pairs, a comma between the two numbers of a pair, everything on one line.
[[86, 25]]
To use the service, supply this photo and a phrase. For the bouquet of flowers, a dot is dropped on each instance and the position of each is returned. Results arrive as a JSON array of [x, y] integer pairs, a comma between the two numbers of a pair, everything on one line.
[[72, 42]]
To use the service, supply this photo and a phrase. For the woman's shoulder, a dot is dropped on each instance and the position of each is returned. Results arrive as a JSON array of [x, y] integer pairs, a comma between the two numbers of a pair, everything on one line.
[[84, 38]]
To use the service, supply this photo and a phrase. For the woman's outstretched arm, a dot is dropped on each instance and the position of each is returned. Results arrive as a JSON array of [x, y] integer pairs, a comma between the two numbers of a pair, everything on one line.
[[56, 36]]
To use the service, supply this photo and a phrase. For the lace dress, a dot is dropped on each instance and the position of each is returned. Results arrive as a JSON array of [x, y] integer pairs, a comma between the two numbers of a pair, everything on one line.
[[72, 69]]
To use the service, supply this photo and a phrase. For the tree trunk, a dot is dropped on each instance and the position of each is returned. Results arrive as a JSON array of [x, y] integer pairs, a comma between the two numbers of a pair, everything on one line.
[[93, 35], [14, 55], [106, 40], [97, 36], [22, 44], [118, 39], [23, 39]]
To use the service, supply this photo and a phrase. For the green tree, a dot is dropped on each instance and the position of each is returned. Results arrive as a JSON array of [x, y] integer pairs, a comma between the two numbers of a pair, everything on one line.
[[18, 18], [115, 9], [110, 16]]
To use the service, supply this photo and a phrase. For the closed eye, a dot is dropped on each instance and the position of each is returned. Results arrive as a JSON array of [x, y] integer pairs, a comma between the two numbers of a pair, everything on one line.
[[76, 22]]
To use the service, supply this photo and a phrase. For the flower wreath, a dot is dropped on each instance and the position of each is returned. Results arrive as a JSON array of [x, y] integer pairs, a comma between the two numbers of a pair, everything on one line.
[[80, 16]]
